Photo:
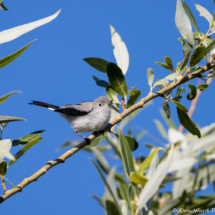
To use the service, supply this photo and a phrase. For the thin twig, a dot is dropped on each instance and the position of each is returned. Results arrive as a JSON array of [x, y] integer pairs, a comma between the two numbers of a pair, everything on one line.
[[84, 143], [3, 184], [123, 104]]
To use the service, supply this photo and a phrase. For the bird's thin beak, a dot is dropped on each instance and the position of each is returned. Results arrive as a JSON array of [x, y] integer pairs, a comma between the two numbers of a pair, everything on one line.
[[110, 102]]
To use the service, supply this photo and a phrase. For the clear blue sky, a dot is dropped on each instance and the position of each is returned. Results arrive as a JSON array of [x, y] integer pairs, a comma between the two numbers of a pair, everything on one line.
[[52, 70]]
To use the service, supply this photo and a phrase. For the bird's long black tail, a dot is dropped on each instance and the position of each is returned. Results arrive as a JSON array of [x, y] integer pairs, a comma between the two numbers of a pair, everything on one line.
[[43, 104]]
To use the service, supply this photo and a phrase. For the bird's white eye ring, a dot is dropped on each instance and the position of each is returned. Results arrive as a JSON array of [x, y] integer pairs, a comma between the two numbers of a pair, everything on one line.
[[100, 104]]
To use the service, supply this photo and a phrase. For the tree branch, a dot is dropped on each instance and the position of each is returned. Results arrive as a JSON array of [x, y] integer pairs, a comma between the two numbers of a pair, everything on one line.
[[84, 143]]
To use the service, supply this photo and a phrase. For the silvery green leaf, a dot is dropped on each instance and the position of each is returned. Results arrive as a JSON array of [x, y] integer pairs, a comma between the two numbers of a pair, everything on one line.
[[172, 76], [100, 82], [114, 111], [187, 49], [5, 97], [166, 109], [183, 23], [155, 181], [111, 182], [120, 51], [204, 12], [161, 128], [5, 146], [150, 76], [2, 6], [13, 33], [112, 94], [181, 164], [168, 60], [161, 82], [175, 136], [180, 90]]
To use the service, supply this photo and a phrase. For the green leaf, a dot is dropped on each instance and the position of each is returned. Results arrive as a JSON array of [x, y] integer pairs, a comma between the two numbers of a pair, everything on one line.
[[179, 105], [166, 108], [160, 128], [97, 63], [163, 81], [172, 76], [6, 119], [195, 70], [100, 82], [111, 208], [169, 62], [98, 139], [113, 145], [183, 42], [203, 87], [2, 6], [197, 55], [134, 96], [13, 33], [170, 179], [150, 76], [6, 60], [27, 138], [187, 49], [147, 161], [180, 90], [164, 65], [183, 23], [24, 149], [209, 47], [112, 94], [192, 94], [204, 12], [188, 123], [107, 186], [123, 189], [132, 143], [117, 79], [190, 15], [5, 146], [5, 97], [127, 157], [100, 201], [3, 168], [138, 178]]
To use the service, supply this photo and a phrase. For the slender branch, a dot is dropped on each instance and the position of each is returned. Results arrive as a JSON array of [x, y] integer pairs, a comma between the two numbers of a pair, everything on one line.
[[123, 104], [84, 143], [3, 184]]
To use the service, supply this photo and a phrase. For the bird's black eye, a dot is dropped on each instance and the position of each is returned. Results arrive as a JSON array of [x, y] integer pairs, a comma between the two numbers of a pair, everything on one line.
[[100, 104]]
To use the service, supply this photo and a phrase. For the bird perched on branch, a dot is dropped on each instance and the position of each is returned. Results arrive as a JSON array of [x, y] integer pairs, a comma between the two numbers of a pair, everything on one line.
[[83, 117]]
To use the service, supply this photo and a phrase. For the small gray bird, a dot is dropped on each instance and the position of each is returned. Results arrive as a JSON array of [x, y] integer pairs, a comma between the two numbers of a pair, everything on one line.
[[83, 117]]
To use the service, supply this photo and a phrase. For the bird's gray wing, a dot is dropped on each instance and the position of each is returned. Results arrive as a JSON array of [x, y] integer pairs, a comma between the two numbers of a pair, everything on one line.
[[76, 110]]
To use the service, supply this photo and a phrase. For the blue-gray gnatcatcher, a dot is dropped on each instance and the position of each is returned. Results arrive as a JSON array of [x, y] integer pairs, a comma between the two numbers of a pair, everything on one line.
[[84, 117]]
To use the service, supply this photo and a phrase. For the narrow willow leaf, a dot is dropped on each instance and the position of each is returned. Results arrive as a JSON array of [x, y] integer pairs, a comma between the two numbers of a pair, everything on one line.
[[112, 183], [166, 108], [134, 96], [120, 51], [192, 94], [190, 15], [169, 62], [165, 66], [183, 42], [5, 97], [27, 138], [97, 63], [188, 123], [112, 94], [127, 157], [132, 143], [13, 33], [24, 149], [155, 181], [183, 23], [100, 82], [123, 189], [203, 87], [5, 146], [161, 128], [107, 186], [209, 47], [113, 145], [173, 76], [6, 60], [196, 70], [161, 82], [207, 38], [100, 201], [147, 161], [114, 111], [197, 55], [177, 98], [111, 208], [180, 90], [6, 119], [117, 79], [2, 6], [179, 105], [98, 139], [170, 179], [204, 12], [3, 168], [138, 178], [187, 49], [150, 76]]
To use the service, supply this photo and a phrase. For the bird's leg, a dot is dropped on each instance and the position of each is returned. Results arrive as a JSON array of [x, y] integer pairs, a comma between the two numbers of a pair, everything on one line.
[[85, 138], [99, 132]]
